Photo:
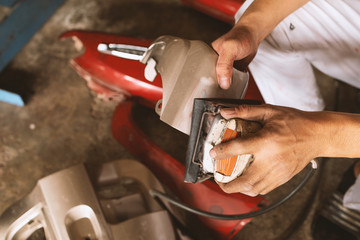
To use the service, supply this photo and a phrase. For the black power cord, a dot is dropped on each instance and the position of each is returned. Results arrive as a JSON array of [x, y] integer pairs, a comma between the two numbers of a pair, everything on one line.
[[162, 196], [295, 225]]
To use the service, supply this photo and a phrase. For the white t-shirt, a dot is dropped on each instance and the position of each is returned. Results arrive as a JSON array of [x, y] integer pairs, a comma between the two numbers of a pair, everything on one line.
[[324, 34]]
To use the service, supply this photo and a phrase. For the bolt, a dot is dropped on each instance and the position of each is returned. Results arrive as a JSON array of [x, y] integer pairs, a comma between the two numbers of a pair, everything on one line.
[[292, 27]]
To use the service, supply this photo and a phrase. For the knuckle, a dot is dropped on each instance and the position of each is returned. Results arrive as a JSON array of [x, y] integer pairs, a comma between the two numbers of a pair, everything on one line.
[[223, 67]]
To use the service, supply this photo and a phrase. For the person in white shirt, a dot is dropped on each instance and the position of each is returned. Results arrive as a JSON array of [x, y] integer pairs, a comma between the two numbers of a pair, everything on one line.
[[280, 42]]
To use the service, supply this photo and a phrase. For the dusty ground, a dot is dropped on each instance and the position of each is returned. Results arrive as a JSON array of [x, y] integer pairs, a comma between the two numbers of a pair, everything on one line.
[[63, 123]]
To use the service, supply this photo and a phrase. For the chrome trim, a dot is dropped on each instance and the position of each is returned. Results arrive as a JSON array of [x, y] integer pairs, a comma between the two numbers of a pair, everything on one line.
[[126, 51]]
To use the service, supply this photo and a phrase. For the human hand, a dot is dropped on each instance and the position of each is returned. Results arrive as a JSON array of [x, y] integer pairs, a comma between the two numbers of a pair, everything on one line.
[[238, 44], [288, 141]]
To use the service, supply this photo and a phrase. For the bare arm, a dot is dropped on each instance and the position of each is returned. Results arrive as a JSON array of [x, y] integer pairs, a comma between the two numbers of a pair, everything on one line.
[[288, 141], [263, 15], [242, 41]]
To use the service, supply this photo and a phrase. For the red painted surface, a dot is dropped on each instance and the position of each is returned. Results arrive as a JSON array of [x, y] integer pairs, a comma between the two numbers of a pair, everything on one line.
[[206, 196], [223, 10], [109, 76], [253, 92]]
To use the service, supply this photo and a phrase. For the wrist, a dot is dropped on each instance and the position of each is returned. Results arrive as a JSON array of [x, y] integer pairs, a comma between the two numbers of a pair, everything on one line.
[[256, 31], [338, 134]]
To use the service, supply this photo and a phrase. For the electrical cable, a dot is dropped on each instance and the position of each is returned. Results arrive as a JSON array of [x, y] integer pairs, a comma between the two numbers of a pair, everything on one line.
[[162, 196], [184, 230], [295, 225]]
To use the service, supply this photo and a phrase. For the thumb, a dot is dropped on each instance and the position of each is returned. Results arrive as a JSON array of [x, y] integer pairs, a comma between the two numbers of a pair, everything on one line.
[[224, 68]]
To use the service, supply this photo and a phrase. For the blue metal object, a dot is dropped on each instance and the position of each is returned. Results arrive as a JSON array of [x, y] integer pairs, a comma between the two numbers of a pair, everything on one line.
[[16, 30], [25, 20], [8, 3], [11, 98]]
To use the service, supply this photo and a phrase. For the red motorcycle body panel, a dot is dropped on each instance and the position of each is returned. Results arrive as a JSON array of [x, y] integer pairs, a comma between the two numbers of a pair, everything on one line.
[[109, 76], [223, 10]]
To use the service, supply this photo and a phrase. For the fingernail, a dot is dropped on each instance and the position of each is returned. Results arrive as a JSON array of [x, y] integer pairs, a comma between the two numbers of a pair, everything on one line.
[[224, 82], [212, 153]]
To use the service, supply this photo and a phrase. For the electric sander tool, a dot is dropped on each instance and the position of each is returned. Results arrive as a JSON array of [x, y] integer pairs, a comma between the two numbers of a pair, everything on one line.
[[208, 129]]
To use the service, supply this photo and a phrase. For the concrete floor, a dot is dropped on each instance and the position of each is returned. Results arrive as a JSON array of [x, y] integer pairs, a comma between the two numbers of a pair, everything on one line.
[[63, 123]]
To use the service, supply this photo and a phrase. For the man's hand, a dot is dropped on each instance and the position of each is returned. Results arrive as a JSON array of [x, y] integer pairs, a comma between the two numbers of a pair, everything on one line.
[[242, 41], [238, 44], [288, 141]]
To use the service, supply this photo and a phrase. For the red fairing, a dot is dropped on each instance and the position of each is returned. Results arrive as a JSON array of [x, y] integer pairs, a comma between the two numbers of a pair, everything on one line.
[[253, 92], [109, 76], [206, 196], [223, 10]]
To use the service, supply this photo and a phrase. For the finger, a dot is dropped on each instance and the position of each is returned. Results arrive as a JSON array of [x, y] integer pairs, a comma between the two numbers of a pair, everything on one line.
[[248, 112], [228, 113], [238, 146], [224, 67], [271, 185], [270, 182], [251, 183], [279, 175], [224, 63], [239, 185], [269, 188]]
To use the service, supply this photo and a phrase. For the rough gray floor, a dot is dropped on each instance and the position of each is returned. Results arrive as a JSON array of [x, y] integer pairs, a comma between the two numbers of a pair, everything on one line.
[[63, 123]]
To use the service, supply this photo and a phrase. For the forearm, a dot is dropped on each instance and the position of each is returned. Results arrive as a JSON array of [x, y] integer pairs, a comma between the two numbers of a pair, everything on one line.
[[340, 135], [263, 15]]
